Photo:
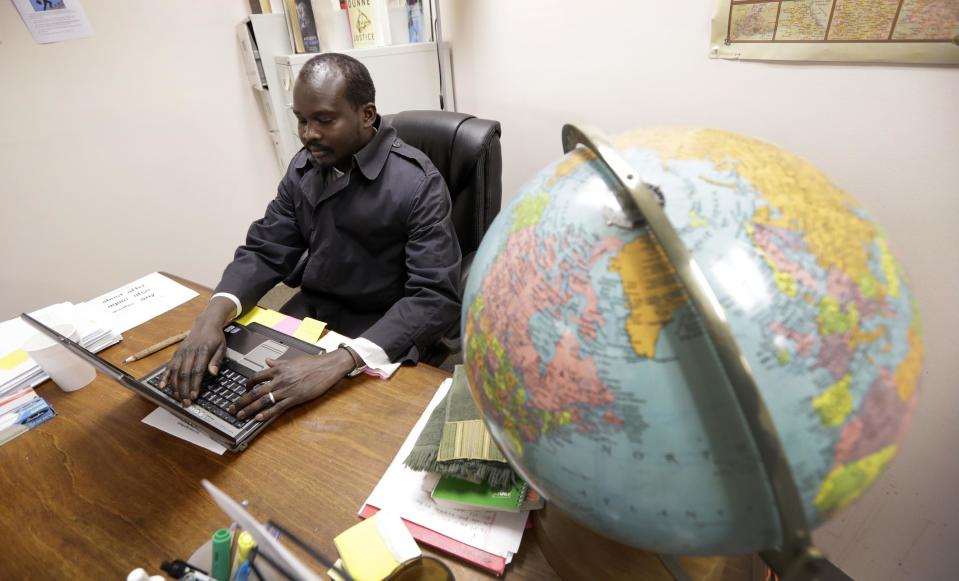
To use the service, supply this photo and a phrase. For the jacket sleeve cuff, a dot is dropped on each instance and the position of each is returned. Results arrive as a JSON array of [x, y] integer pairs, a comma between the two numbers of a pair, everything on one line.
[[236, 301]]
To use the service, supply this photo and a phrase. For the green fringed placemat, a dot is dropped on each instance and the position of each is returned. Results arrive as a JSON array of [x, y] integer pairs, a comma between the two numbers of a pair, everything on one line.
[[455, 441]]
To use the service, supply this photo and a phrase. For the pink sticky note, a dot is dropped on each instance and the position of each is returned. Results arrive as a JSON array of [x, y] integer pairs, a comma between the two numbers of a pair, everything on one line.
[[288, 325]]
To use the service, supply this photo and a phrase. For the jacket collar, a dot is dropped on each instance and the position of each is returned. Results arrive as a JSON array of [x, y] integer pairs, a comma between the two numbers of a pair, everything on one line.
[[369, 160], [319, 183]]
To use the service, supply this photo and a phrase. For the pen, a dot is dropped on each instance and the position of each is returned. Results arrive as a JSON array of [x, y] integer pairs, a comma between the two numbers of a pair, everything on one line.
[[154, 348]]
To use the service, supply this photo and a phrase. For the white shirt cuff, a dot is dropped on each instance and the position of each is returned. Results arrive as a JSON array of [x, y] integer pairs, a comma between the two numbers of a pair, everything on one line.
[[236, 301], [377, 362]]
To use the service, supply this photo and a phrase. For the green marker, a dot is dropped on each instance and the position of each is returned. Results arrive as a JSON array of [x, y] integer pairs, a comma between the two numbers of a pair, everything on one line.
[[220, 568]]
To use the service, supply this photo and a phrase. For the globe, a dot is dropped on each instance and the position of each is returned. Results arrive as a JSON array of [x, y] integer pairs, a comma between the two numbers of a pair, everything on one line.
[[594, 374]]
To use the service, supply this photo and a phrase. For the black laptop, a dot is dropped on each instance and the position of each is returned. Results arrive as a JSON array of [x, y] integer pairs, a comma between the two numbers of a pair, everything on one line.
[[248, 348]]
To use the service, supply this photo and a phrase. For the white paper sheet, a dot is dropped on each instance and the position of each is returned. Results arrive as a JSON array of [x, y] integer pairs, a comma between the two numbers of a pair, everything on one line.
[[54, 20], [401, 490], [169, 423], [139, 301]]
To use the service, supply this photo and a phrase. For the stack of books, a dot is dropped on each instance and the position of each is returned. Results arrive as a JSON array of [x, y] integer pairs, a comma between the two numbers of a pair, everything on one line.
[[336, 25], [18, 370], [389, 22], [483, 532]]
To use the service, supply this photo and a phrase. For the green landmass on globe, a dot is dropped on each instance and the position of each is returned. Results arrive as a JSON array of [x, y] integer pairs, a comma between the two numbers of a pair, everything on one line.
[[594, 374]]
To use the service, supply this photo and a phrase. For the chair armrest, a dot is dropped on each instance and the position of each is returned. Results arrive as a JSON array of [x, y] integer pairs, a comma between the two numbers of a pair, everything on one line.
[[465, 266]]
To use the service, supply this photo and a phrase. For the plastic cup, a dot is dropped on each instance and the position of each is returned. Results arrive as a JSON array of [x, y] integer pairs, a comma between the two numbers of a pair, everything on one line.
[[64, 368]]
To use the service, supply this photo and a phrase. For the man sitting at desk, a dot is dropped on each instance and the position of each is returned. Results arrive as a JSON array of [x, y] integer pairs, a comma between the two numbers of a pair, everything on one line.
[[373, 215]]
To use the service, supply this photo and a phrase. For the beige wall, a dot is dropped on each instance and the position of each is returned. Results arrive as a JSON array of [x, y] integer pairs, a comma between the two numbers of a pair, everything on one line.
[[141, 149], [138, 149], [888, 134]]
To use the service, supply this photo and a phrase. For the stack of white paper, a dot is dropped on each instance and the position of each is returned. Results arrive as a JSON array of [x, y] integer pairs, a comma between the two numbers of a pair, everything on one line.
[[18, 370], [407, 493], [99, 323]]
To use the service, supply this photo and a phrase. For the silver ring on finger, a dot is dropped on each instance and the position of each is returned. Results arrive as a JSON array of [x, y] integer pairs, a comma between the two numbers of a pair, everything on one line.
[[272, 399]]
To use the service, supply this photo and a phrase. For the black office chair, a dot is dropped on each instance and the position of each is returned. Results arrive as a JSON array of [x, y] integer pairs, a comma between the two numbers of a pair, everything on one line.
[[466, 150]]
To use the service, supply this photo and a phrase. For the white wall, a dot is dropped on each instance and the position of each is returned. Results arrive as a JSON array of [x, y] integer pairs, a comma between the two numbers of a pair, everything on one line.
[[888, 134], [138, 149]]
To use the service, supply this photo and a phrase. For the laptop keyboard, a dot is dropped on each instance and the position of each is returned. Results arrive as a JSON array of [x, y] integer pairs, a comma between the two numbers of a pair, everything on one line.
[[216, 394]]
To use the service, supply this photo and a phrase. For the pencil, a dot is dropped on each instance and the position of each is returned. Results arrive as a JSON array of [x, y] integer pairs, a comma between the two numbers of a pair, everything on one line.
[[154, 348]]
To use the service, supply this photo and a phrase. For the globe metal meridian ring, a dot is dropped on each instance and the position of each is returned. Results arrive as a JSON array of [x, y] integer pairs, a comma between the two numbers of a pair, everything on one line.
[[797, 558]]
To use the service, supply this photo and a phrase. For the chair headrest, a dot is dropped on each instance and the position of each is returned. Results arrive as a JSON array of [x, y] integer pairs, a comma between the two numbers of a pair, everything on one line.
[[453, 141]]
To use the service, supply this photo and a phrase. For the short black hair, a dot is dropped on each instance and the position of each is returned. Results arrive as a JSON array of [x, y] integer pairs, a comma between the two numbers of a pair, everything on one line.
[[359, 84]]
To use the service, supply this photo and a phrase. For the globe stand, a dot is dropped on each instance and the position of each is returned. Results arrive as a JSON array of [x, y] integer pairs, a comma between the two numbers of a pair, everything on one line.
[[578, 554], [795, 558]]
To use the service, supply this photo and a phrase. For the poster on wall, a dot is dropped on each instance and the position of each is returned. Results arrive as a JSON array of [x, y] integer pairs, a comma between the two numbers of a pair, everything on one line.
[[54, 20], [897, 31]]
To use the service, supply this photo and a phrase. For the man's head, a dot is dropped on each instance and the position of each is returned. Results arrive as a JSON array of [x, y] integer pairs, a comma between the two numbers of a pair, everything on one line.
[[334, 105]]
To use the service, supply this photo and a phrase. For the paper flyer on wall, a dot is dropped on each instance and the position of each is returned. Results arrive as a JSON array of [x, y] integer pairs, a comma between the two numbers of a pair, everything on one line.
[[901, 31], [54, 20]]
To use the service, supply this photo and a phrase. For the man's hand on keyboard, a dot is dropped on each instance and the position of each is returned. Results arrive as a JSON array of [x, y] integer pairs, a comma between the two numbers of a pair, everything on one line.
[[202, 351], [291, 382]]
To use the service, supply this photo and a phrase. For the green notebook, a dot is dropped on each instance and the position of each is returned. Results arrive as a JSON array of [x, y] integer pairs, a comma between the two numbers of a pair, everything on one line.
[[451, 492]]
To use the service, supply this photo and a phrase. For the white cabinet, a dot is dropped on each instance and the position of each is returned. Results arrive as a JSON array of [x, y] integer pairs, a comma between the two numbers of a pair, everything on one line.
[[406, 77]]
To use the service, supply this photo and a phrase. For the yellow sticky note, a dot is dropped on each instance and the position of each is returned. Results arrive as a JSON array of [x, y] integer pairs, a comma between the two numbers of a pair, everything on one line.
[[265, 317], [268, 317], [11, 360], [247, 318], [310, 330], [364, 552]]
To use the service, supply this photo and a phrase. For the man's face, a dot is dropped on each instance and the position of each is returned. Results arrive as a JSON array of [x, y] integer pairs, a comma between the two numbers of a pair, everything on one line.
[[330, 127]]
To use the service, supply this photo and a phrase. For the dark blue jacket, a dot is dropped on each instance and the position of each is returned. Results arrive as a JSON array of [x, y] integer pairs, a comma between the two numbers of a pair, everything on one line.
[[383, 259]]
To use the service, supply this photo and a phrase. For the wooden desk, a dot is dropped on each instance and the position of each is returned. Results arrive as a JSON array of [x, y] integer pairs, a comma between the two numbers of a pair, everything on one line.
[[95, 493]]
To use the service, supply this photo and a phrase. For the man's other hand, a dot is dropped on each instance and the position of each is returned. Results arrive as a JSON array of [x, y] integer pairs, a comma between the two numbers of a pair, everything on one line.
[[202, 351], [291, 382]]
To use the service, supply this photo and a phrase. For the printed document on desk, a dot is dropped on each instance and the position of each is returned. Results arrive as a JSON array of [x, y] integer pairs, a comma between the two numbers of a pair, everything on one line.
[[139, 301], [404, 492]]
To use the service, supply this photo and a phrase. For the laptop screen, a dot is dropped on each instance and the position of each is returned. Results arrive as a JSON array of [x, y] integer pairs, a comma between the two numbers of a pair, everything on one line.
[[85, 354]]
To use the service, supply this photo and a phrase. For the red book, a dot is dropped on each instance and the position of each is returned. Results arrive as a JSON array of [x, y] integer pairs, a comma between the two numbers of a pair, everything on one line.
[[488, 561]]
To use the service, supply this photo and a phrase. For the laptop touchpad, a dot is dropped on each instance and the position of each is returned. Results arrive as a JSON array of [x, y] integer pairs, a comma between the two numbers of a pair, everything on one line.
[[256, 359]]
